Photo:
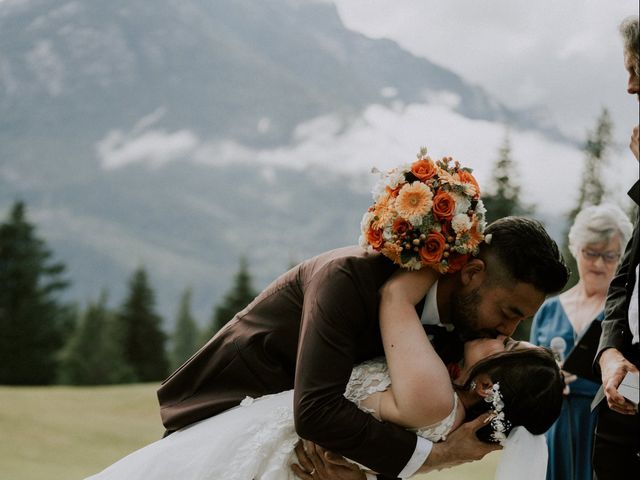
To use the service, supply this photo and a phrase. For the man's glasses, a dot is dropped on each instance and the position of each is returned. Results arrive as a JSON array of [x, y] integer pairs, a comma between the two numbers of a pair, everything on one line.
[[607, 257]]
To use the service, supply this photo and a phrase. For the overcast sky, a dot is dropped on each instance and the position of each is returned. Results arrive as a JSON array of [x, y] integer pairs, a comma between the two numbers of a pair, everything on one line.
[[561, 55]]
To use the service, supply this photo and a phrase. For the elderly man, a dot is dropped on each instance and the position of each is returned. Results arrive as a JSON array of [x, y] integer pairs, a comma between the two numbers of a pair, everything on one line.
[[617, 443]]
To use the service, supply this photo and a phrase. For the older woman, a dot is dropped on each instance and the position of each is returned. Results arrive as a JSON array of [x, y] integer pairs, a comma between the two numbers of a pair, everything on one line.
[[596, 240]]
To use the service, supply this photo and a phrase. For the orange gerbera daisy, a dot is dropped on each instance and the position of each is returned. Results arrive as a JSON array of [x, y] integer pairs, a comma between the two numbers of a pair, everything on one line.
[[473, 236], [414, 199], [383, 211]]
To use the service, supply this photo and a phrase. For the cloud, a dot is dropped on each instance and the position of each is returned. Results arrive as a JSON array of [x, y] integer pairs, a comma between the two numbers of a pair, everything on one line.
[[155, 147], [382, 137], [564, 58]]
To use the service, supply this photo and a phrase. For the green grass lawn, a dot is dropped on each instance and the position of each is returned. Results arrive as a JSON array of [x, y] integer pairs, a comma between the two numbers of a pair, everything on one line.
[[67, 433]]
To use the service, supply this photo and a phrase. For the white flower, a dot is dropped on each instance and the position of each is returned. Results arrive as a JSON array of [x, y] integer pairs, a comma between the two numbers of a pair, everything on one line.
[[378, 189], [461, 223], [367, 218], [498, 424], [413, 264], [395, 178], [462, 203], [415, 220], [480, 208]]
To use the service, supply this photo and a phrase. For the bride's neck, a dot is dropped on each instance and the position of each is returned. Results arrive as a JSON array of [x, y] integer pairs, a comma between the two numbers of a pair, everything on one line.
[[461, 412]]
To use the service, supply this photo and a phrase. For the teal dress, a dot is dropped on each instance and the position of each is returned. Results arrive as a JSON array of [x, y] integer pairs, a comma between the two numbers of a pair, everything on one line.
[[570, 438]]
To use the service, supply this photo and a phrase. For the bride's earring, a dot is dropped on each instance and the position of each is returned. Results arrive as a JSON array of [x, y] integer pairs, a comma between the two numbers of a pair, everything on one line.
[[472, 385]]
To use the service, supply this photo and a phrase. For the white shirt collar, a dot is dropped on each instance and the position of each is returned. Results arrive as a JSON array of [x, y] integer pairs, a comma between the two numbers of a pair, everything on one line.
[[430, 314]]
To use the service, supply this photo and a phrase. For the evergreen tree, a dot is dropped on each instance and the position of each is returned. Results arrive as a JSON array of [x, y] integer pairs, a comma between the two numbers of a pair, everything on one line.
[[93, 354], [32, 320], [139, 329], [186, 336], [236, 299], [592, 188], [503, 197]]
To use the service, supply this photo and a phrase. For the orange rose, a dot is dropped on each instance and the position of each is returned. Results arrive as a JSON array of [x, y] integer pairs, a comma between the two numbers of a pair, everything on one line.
[[424, 169], [456, 262], [444, 206], [433, 248], [400, 226], [466, 177], [374, 237]]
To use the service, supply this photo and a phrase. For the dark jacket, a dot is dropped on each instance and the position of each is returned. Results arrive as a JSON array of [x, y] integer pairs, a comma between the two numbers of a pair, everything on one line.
[[615, 326], [304, 331]]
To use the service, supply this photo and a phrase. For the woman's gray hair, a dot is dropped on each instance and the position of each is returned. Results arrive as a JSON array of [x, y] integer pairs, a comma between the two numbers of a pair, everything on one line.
[[630, 33], [598, 223]]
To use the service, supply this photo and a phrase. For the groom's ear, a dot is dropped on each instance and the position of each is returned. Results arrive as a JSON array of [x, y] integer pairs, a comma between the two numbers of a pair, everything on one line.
[[473, 273]]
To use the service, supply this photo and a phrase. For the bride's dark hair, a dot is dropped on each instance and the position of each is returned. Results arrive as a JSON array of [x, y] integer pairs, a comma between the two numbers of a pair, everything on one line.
[[531, 386]]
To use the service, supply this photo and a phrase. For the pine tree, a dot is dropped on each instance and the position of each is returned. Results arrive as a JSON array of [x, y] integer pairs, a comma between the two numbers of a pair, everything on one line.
[[236, 299], [32, 319], [138, 327], [93, 354], [503, 198], [592, 188], [186, 335]]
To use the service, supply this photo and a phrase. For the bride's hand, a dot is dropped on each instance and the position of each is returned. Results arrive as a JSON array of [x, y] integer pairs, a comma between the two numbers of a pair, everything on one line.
[[316, 463]]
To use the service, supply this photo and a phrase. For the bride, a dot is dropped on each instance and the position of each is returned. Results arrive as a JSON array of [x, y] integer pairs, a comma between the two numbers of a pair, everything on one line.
[[520, 385]]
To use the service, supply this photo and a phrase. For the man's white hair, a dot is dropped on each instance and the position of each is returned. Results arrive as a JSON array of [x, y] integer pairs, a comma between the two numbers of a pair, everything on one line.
[[597, 224], [630, 32]]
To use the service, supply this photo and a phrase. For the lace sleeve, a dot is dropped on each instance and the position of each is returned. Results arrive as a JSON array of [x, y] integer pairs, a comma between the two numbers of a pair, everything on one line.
[[373, 376], [366, 379]]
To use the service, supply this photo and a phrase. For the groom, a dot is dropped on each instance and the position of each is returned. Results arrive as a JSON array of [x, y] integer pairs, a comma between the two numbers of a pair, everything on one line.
[[309, 328]]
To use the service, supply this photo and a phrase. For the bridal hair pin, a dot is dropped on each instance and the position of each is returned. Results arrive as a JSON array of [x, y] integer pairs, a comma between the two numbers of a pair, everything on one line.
[[499, 424], [426, 214]]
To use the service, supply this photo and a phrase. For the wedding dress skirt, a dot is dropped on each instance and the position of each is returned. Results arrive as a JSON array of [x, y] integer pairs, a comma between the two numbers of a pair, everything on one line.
[[254, 440], [251, 441]]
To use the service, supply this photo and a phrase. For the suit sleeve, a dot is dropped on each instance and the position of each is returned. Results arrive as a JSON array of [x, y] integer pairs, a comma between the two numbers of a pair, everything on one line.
[[335, 314], [615, 326]]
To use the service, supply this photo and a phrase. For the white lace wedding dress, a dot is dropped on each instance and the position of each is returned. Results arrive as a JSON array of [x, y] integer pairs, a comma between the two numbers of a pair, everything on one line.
[[254, 440]]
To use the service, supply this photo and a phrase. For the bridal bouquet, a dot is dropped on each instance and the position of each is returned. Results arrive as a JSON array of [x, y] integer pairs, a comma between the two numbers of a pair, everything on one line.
[[428, 213]]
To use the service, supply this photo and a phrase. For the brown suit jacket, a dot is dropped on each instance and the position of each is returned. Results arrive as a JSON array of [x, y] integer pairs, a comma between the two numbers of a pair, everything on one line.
[[304, 331]]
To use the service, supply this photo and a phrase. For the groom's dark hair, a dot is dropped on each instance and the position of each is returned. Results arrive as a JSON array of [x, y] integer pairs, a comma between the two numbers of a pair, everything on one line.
[[519, 249]]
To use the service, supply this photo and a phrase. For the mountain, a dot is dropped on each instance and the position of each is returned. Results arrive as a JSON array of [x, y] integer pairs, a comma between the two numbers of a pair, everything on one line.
[[86, 86]]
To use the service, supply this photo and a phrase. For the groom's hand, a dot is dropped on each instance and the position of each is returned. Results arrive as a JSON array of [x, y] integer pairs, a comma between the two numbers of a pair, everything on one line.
[[316, 463], [461, 446]]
